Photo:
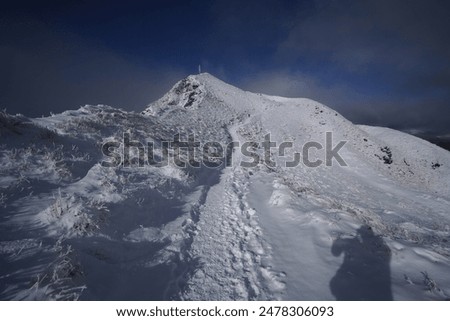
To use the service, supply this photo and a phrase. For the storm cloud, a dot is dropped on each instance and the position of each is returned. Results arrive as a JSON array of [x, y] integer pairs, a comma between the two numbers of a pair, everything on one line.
[[49, 71], [377, 62]]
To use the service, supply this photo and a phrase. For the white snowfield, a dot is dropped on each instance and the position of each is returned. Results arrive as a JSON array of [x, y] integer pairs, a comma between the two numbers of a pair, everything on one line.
[[377, 228]]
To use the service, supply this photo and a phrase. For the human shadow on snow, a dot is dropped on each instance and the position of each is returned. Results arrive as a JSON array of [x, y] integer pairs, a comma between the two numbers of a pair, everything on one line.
[[365, 272]]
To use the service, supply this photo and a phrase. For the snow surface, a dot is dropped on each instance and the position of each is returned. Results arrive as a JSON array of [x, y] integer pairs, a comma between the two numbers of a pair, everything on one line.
[[71, 229]]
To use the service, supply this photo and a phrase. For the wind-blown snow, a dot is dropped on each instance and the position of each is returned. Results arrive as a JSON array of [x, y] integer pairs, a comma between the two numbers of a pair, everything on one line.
[[376, 229]]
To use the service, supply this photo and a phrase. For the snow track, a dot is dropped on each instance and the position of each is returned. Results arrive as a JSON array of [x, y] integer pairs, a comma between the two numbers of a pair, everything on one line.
[[228, 242], [230, 248]]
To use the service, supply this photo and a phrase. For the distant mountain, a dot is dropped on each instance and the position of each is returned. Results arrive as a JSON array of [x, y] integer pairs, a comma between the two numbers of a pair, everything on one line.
[[262, 198]]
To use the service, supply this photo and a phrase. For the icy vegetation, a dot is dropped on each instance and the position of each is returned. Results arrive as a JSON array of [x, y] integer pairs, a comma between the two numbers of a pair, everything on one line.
[[72, 229]]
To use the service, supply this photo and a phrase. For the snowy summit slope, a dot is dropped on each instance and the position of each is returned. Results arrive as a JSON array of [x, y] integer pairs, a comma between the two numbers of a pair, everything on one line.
[[375, 227]]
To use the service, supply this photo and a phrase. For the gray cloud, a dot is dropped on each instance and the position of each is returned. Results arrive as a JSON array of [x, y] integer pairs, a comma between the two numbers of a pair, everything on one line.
[[296, 84], [358, 33], [377, 62], [56, 71]]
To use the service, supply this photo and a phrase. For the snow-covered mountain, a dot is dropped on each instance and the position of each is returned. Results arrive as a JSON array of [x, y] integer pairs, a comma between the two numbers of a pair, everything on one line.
[[373, 225]]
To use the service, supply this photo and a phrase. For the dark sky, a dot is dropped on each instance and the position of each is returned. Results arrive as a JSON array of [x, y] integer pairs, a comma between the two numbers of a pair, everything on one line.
[[378, 62]]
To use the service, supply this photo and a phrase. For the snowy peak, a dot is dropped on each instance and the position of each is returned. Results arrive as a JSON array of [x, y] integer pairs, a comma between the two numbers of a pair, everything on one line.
[[215, 106], [186, 94]]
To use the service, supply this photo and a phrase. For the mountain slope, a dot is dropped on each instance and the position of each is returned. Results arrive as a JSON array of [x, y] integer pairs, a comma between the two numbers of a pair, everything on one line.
[[375, 226]]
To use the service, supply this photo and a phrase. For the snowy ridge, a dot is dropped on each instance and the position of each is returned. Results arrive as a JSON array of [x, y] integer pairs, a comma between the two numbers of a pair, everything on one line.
[[422, 159], [73, 229]]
